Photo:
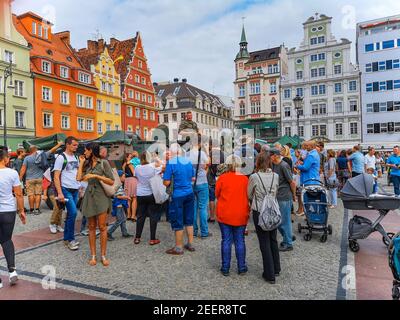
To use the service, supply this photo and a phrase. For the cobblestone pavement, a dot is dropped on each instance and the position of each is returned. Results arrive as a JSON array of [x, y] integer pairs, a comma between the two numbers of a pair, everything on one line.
[[311, 271]]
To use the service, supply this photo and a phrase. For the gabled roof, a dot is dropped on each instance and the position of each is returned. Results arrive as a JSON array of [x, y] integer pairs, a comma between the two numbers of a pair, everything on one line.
[[123, 49], [263, 55], [87, 59]]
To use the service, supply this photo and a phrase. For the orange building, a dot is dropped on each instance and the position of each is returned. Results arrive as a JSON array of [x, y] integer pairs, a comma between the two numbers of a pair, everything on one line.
[[65, 93], [139, 112]]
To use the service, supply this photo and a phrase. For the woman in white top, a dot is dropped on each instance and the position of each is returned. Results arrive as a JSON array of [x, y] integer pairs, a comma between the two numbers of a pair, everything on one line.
[[147, 206], [10, 185]]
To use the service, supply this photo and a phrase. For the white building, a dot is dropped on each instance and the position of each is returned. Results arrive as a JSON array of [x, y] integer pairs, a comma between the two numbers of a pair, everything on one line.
[[320, 71], [378, 55], [175, 99]]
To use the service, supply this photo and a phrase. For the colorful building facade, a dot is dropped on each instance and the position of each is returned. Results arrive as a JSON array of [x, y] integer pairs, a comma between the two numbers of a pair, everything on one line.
[[64, 91], [19, 100], [97, 59], [139, 112]]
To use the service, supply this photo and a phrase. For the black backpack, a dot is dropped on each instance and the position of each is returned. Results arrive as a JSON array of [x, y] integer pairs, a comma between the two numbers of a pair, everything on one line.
[[42, 161]]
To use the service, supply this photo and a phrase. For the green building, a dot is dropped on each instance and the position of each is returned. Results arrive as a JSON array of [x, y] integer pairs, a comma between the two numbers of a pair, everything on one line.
[[19, 97]]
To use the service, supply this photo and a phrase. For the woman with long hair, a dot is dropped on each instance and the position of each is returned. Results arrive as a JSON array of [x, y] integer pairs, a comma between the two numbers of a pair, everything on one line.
[[96, 204], [265, 179], [130, 186], [286, 156], [342, 168], [10, 185]]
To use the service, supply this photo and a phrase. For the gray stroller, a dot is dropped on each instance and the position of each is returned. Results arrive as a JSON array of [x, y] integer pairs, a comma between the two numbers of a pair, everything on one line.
[[357, 194]]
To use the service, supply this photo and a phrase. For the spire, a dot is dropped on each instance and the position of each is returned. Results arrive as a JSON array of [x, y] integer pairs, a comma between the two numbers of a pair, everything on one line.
[[243, 53]]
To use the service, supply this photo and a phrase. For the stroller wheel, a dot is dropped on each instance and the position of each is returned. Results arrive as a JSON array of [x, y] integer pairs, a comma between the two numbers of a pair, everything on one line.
[[329, 229], [323, 238], [299, 228], [307, 237], [354, 246], [385, 241], [396, 293]]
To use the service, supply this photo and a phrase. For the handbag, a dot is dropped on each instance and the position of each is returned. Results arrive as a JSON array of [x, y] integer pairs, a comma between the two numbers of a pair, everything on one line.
[[110, 191], [159, 190]]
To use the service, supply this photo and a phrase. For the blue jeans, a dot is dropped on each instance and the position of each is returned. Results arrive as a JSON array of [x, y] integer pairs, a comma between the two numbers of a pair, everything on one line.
[[201, 196], [121, 221], [70, 205], [396, 184], [285, 228], [333, 196], [231, 234]]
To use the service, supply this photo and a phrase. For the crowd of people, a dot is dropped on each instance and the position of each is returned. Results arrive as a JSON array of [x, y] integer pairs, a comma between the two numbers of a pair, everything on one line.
[[205, 185]]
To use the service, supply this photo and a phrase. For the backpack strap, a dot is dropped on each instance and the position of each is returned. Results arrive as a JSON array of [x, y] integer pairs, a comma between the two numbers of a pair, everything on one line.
[[272, 183]]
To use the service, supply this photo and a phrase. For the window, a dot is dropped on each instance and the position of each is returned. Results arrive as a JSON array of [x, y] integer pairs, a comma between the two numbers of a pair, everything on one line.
[[314, 109], [314, 90], [130, 94], [301, 131], [175, 117], [33, 27], [89, 125], [368, 87], [313, 41], [353, 106], [274, 106], [353, 85], [99, 128], [129, 112], [144, 114], [110, 88], [255, 88], [314, 73], [137, 113], [46, 94], [300, 92], [108, 107], [337, 69], [338, 106], [89, 102], [144, 81], [46, 66], [314, 57], [396, 64], [152, 116], [382, 86], [103, 86], [370, 128], [143, 97], [321, 56], [322, 129], [137, 95], [64, 72], [339, 129], [287, 112], [19, 88], [242, 109], [322, 89], [299, 75], [388, 44], [79, 101], [396, 84], [273, 87], [338, 87], [149, 99], [47, 120], [117, 109], [9, 56], [315, 130], [46, 32], [369, 47], [287, 93], [84, 77], [370, 107], [65, 123], [138, 131], [140, 64], [276, 68], [81, 124], [368, 67], [165, 118], [64, 97], [20, 119], [99, 105], [40, 30], [353, 128], [322, 108], [288, 131], [321, 72], [137, 79], [321, 39], [242, 91]]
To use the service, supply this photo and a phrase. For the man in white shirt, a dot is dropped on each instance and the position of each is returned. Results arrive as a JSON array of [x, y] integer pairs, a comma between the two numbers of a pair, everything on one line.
[[370, 160]]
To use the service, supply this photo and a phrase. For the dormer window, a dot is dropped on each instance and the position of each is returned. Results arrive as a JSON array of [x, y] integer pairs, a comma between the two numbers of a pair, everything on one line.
[[40, 33], [64, 72], [34, 27], [46, 32], [46, 66], [84, 77]]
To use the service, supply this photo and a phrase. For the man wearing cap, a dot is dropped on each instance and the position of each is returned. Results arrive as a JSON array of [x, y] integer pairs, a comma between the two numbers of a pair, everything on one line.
[[286, 196], [309, 169]]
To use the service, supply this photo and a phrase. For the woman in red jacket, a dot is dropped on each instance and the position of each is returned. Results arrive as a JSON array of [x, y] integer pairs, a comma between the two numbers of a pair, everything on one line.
[[232, 213]]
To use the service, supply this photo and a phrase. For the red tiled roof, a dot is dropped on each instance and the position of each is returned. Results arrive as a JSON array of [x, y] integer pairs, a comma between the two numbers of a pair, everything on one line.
[[125, 49]]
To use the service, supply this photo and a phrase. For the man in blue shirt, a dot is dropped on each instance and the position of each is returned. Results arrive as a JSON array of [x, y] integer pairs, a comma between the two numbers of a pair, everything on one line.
[[394, 163], [356, 162], [309, 169], [180, 173]]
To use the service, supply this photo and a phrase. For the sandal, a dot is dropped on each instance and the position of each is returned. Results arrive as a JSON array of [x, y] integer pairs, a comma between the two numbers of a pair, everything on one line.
[[104, 261], [93, 261], [136, 241], [154, 242], [174, 252]]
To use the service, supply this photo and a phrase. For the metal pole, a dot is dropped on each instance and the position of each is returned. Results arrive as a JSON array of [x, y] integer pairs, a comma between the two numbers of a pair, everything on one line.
[[298, 128], [5, 112]]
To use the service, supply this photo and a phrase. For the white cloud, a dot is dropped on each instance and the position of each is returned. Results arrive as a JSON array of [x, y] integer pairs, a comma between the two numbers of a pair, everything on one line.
[[198, 39]]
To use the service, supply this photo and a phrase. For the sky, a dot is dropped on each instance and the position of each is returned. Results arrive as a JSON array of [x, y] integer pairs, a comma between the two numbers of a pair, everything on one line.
[[199, 39]]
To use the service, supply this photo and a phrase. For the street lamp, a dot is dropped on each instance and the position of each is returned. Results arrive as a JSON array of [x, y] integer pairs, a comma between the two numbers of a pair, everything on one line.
[[7, 74], [298, 105]]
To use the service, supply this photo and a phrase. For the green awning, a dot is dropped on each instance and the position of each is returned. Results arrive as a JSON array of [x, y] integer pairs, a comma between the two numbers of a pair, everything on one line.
[[246, 126], [259, 125], [268, 125]]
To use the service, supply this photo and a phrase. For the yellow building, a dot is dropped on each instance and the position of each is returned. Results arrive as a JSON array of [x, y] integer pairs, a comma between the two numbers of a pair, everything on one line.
[[96, 58]]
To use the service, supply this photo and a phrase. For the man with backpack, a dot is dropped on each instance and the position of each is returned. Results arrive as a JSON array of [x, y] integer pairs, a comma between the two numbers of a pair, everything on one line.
[[33, 169], [286, 196], [67, 187]]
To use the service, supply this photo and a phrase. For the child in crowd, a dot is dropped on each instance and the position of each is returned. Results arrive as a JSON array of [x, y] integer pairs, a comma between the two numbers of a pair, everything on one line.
[[371, 171], [119, 205], [135, 159]]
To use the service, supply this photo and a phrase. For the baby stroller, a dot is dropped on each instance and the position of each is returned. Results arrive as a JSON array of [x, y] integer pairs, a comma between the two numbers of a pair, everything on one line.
[[315, 202], [357, 195], [394, 263]]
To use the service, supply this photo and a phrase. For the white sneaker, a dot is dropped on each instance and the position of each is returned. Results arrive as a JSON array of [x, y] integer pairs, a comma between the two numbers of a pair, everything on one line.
[[53, 228], [1, 284], [60, 229], [13, 278]]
